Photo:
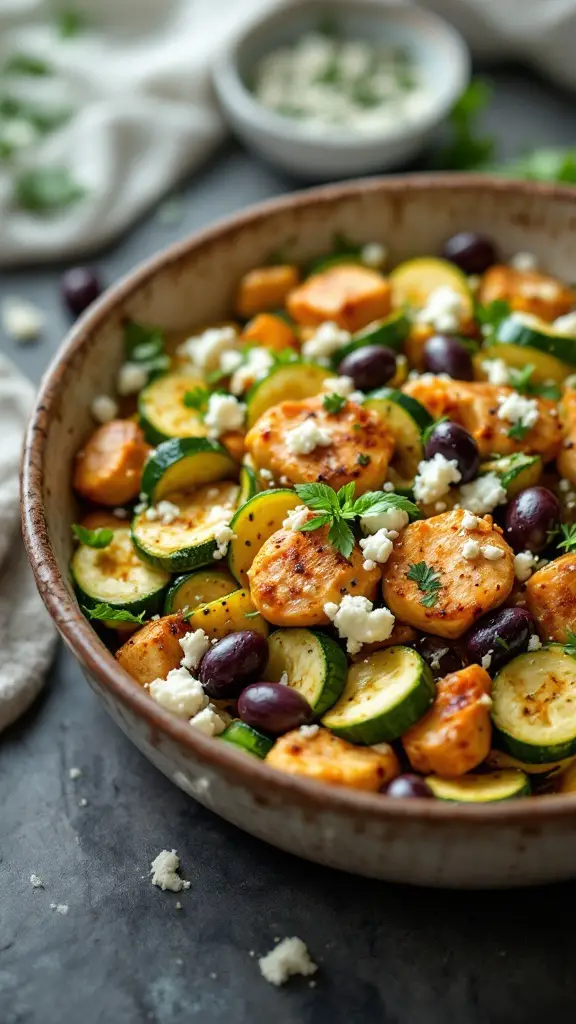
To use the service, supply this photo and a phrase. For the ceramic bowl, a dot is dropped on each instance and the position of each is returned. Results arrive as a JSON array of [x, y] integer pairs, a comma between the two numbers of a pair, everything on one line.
[[193, 282], [440, 51]]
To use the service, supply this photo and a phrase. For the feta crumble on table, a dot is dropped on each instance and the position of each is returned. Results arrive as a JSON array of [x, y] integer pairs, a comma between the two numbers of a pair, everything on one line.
[[492, 552], [483, 494], [104, 409], [374, 255], [21, 320], [392, 520], [223, 536], [289, 957], [524, 565], [377, 547], [515, 408], [131, 379], [358, 622], [296, 518], [208, 721], [524, 262], [258, 363], [194, 645], [307, 436], [74, 773], [179, 693], [534, 643], [205, 350], [60, 908], [224, 413], [325, 341], [443, 310], [434, 478], [163, 870], [36, 882], [496, 371], [471, 550]]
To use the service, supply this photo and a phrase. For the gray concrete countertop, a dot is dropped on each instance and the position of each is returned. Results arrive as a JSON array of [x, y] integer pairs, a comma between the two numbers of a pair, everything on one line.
[[124, 953]]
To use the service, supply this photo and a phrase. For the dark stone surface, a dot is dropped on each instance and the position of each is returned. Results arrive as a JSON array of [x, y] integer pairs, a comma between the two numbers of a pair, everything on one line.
[[124, 954]]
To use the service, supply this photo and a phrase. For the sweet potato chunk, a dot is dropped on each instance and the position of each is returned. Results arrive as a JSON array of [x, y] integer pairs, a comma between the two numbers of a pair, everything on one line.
[[527, 291], [353, 431], [474, 405], [295, 574], [454, 735], [551, 597], [468, 587], [327, 758], [270, 331], [109, 467], [350, 295], [265, 288], [566, 461], [154, 650]]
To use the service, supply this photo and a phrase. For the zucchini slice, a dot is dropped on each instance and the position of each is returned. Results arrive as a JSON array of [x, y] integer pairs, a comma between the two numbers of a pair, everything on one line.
[[407, 419], [534, 706], [228, 615], [385, 694], [481, 789], [290, 382], [162, 411], [498, 759], [253, 524], [196, 588], [314, 663], [248, 739], [189, 541], [248, 483], [184, 463], [516, 472], [391, 332], [414, 281], [115, 575], [530, 332]]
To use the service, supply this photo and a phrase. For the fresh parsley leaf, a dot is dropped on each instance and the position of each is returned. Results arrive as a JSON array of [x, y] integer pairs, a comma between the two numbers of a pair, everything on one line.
[[427, 581], [521, 381], [107, 613], [491, 315], [468, 148], [197, 399], [518, 431], [70, 23], [570, 645], [25, 64], [502, 643], [333, 403], [363, 460], [251, 615], [46, 190], [341, 536], [100, 538], [569, 534]]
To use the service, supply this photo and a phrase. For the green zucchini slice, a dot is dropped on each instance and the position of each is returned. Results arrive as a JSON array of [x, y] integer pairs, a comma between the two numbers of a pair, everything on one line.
[[516, 471], [481, 789], [115, 575], [195, 588], [184, 463], [162, 412], [253, 524], [248, 483], [291, 382], [407, 419], [228, 615], [248, 739], [414, 281], [391, 332], [530, 331], [534, 706], [314, 664], [189, 540], [385, 694]]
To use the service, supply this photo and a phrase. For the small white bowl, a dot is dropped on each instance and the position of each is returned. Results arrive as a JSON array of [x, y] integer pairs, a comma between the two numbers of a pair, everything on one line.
[[440, 53]]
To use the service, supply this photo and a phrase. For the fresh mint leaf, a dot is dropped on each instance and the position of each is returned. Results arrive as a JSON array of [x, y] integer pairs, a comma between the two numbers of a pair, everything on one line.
[[316, 522], [318, 497], [376, 502], [46, 190], [569, 534], [345, 498], [99, 538], [341, 536], [107, 613], [427, 581], [333, 403], [26, 64]]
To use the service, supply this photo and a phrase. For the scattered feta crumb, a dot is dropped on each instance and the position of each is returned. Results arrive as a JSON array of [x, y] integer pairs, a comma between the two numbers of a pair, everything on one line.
[[392, 520], [230, 361], [131, 379], [36, 882], [266, 474], [496, 371], [208, 721], [377, 547], [434, 478], [257, 365], [163, 870], [440, 506], [60, 908], [205, 350], [487, 660], [566, 325], [325, 341], [309, 730], [120, 513], [178, 905], [492, 552], [374, 254], [470, 522], [83, 802], [194, 645], [289, 957], [516, 408], [224, 413], [296, 518], [104, 409], [564, 485], [471, 549], [165, 511], [524, 564], [524, 262], [388, 487], [307, 436], [283, 679], [443, 310], [75, 773], [21, 320], [534, 643], [483, 494], [179, 693], [222, 536], [343, 386], [358, 622]]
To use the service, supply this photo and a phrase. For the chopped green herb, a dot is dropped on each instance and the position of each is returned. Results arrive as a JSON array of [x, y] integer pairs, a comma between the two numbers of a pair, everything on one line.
[[100, 538], [518, 431], [491, 315], [363, 460], [502, 643], [25, 64], [521, 381], [429, 430], [251, 615], [427, 581], [197, 399], [47, 190], [70, 23], [569, 534], [40, 116], [570, 645], [107, 613], [333, 403], [338, 508], [356, 427]]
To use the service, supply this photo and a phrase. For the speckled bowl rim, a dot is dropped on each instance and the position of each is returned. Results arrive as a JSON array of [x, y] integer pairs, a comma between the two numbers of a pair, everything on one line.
[[254, 775]]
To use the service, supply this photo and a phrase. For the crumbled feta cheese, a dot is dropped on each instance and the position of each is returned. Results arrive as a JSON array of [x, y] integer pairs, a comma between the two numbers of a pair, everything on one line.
[[358, 622], [194, 645], [163, 870], [343, 386], [141, 507], [444, 309], [492, 552], [224, 413], [223, 536], [309, 730], [131, 379], [564, 485], [496, 371], [36, 882], [482, 495], [120, 513], [524, 563], [325, 341], [534, 643], [258, 363], [470, 522], [471, 549], [104, 409], [60, 908], [289, 957], [369, 565], [166, 511], [376, 547], [487, 660], [296, 518], [392, 520], [388, 487], [516, 408], [230, 361], [440, 506], [266, 474], [524, 262], [20, 319], [151, 514], [374, 254], [75, 773], [566, 325], [179, 693], [205, 350], [307, 436], [208, 721], [283, 679], [434, 478]]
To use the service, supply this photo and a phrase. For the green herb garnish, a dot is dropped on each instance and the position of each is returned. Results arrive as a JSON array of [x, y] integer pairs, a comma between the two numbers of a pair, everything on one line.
[[99, 538], [47, 190], [25, 64], [427, 581], [363, 460], [569, 535], [197, 399], [502, 643], [521, 381], [107, 613], [519, 430], [570, 645], [251, 615], [333, 403], [340, 508], [491, 315]]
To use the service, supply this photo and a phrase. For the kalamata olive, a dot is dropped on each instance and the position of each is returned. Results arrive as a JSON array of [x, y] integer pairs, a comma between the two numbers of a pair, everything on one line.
[[470, 251], [531, 518], [273, 707], [232, 663], [444, 354], [502, 634], [408, 786], [440, 654], [79, 286], [453, 442], [370, 367]]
